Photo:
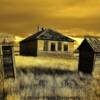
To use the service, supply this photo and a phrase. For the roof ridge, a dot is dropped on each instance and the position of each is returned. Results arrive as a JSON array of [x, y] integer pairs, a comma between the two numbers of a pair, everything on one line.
[[51, 35], [41, 33]]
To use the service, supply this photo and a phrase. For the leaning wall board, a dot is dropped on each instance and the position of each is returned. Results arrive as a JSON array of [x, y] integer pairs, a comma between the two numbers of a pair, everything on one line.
[[8, 61], [0, 60]]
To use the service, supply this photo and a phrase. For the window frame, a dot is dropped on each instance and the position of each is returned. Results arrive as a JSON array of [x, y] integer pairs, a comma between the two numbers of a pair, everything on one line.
[[46, 45], [59, 46]]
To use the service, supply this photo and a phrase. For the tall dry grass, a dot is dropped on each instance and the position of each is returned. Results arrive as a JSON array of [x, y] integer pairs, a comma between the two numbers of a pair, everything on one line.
[[46, 62], [69, 85], [41, 86]]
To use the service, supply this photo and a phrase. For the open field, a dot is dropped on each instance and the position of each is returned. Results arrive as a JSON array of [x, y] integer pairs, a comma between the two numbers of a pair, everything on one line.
[[46, 62], [47, 78]]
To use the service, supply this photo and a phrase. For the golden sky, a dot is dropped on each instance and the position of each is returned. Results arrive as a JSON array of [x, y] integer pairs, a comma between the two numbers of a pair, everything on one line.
[[21, 17]]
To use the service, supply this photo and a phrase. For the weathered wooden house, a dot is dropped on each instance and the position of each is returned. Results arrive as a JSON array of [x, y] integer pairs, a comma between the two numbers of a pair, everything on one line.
[[88, 50], [46, 41]]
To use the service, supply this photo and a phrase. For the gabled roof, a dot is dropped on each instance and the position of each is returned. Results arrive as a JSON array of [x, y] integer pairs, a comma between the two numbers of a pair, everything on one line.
[[48, 34], [93, 42]]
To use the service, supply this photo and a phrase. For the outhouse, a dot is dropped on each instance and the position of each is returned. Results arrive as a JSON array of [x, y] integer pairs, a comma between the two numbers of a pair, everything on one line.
[[7, 59], [88, 50]]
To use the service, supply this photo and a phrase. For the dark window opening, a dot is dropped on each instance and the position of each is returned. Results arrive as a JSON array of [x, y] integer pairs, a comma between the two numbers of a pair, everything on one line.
[[42, 83], [45, 45], [65, 47], [53, 47], [59, 46]]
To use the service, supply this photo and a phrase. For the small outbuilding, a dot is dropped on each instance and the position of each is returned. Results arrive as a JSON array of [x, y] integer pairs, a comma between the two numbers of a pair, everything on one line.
[[88, 50], [7, 60], [46, 41]]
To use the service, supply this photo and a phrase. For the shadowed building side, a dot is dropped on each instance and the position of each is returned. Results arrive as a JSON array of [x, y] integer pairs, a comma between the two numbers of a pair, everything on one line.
[[87, 54], [28, 48]]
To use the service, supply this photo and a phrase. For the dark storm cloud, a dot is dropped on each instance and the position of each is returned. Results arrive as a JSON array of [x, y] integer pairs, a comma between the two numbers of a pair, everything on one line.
[[22, 16]]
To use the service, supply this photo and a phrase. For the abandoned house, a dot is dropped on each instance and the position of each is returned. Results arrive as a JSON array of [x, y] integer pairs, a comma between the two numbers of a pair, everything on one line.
[[46, 41], [89, 48]]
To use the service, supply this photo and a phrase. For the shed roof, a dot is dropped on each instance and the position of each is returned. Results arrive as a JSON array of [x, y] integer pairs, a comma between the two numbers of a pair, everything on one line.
[[48, 34], [93, 42]]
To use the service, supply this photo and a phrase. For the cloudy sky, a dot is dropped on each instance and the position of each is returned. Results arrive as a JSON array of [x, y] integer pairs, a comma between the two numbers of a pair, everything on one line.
[[22, 17]]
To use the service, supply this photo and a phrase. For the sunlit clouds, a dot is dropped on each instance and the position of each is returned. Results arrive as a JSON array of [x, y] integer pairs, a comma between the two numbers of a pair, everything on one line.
[[21, 17]]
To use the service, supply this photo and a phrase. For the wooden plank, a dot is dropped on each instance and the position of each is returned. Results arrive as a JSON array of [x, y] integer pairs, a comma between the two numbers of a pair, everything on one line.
[[8, 61]]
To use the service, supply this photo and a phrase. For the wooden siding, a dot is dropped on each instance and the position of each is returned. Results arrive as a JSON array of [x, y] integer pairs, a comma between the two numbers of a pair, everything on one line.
[[70, 46], [28, 48], [86, 58], [33, 48], [41, 46], [86, 62]]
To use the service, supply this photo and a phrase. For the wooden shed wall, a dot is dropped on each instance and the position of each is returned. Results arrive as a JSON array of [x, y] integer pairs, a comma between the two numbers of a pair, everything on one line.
[[70, 46], [86, 58], [34, 48], [86, 62], [28, 48], [41, 45]]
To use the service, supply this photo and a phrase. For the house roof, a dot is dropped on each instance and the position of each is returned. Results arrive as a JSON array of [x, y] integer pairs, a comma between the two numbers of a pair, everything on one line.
[[94, 43], [48, 34]]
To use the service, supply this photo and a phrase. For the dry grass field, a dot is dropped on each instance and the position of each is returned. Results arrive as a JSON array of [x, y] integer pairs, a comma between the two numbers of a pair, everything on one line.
[[48, 78], [46, 62]]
